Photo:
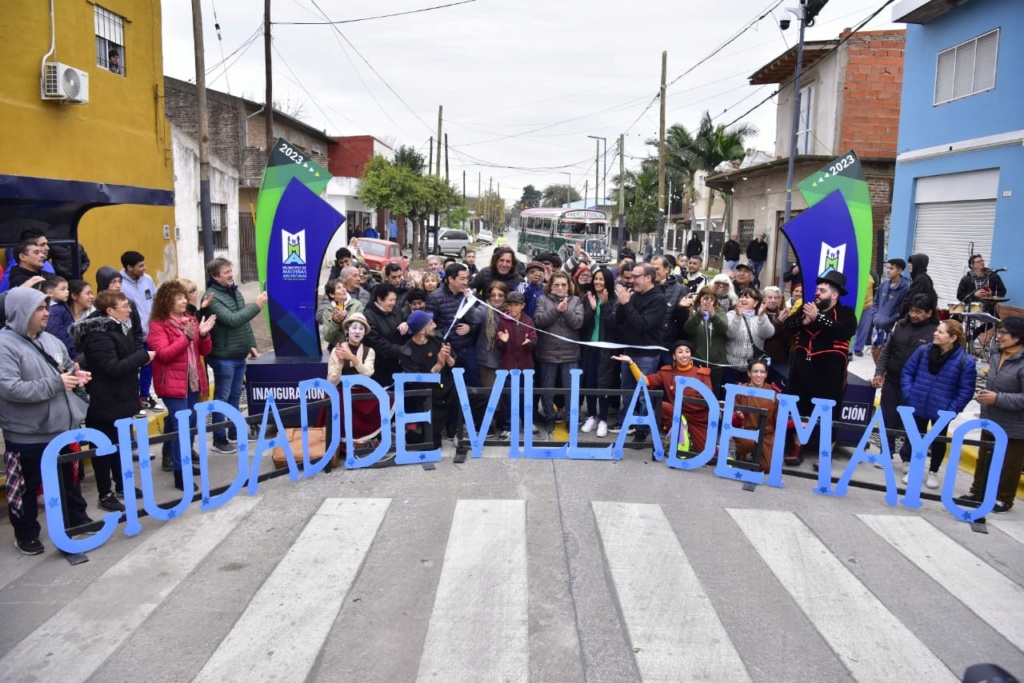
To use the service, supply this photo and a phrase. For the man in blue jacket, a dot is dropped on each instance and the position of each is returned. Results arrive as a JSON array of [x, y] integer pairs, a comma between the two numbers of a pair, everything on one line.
[[885, 310]]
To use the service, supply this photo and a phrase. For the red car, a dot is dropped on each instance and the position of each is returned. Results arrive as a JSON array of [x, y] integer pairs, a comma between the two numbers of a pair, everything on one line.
[[379, 253]]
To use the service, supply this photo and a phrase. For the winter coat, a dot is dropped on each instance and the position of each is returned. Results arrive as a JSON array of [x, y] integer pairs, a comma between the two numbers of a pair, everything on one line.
[[1008, 383], [885, 310], [694, 247], [59, 325], [333, 333], [739, 348], [951, 389], [757, 250], [607, 331], [675, 317], [778, 346], [750, 421], [640, 321], [709, 337], [110, 355], [483, 280], [232, 335], [170, 365], [444, 304], [553, 321], [731, 250], [386, 341], [488, 355], [34, 405], [61, 257], [515, 355], [905, 339]]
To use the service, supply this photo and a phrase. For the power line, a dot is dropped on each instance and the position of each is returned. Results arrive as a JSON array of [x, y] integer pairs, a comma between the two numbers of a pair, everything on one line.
[[379, 16]]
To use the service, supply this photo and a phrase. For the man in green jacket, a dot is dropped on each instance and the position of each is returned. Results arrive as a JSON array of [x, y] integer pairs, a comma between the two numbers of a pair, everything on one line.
[[233, 342]]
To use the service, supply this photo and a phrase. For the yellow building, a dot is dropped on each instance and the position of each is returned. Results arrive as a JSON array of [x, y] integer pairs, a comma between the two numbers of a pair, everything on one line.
[[86, 151]]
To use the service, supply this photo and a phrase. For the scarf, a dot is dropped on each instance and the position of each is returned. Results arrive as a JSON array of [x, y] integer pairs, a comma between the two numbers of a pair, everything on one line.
[[1007, 354], [491, 330], [126, 325], [936, 358], [183, 324], [683, 368], [596, 336]]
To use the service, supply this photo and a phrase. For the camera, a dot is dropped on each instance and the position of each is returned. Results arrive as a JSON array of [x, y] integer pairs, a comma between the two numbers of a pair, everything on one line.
[[784, 24]]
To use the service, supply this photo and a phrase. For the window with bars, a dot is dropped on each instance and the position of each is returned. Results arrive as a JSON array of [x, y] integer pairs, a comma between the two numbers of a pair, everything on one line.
[[109, 40], [967, 69], [746, 231], [218, 225]]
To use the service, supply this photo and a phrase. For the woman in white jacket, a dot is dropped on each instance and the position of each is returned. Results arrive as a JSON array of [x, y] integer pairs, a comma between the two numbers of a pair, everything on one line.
[[748, 327]]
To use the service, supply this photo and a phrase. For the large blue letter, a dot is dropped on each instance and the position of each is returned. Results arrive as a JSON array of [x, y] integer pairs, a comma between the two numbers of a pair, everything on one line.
[[649, 419], [51, 488], [714, 415], [919, 451], [528, 450], [723, 468], [477, 437], [351, 461], [995, 468], [403, 456], [861, 455], [575, 451], [823, 412]]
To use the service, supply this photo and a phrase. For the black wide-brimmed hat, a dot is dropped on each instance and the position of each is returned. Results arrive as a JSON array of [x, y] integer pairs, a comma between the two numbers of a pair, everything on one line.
[[834, 278]]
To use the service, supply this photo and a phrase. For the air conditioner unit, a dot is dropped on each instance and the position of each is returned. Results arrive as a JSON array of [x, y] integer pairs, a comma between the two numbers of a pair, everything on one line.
[[63, 83]]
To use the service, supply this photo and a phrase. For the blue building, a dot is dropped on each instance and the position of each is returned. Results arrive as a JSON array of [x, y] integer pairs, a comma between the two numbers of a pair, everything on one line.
[[960, 161]]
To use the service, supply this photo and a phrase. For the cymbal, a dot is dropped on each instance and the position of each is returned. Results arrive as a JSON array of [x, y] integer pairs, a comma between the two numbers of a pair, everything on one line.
[[994, 299]]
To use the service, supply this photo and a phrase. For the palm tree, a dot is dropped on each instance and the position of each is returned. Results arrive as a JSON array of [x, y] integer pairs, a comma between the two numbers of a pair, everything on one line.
[[641, 194]]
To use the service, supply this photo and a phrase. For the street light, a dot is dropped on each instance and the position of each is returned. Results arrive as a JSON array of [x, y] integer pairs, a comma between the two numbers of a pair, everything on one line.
[[568, 190], [597, 159]]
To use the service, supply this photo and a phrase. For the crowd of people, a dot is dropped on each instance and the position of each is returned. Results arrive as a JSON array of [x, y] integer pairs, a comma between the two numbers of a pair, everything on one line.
[[133, 340]]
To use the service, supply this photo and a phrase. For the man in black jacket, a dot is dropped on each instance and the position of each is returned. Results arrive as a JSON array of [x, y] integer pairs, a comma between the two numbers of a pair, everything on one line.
[[731, 253], [913, 330], [822, 333], [920, 282], [639, 317], [694, 247], [386, 333], [757, 254]]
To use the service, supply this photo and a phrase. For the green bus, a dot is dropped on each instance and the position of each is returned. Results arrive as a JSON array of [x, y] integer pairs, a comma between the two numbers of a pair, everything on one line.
[[555, 231]]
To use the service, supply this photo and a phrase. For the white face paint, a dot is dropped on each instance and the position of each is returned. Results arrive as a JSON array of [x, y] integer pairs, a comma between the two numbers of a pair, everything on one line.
[[356, 332]]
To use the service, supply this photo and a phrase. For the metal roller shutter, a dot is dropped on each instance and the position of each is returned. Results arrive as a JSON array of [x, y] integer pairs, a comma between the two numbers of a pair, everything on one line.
[[945, 231]]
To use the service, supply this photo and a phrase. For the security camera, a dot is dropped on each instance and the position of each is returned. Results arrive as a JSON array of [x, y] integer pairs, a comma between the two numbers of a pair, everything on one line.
[[784, 24]]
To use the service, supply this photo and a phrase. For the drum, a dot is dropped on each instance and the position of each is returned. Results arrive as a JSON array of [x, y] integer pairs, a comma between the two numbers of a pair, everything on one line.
[[942, 314], [956, 308], [977, 307]]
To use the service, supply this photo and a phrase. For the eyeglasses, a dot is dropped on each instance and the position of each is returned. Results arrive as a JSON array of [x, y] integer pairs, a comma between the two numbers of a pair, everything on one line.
[[193, 291], [497, 296]]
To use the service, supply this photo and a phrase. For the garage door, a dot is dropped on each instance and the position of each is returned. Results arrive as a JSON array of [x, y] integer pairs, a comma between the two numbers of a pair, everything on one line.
[[946, 231]]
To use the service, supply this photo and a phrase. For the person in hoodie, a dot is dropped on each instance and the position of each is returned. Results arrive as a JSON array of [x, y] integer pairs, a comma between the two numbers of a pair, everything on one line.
[[110, 353], [920, 282], [914, 329], [39, 400], [885, 310]]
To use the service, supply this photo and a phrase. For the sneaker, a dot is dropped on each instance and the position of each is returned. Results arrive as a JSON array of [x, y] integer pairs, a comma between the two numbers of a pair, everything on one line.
[[859, 354], [932, 481], [141, 413], [504, 435], [906, 478], [153, 406], [639, 438], [232, 440], [536, 430], [618, 429], [33, 547], [223, 446], [906, 469], [110, 503], [1000, 508], [968, 498], [602, 429], [589, 426]]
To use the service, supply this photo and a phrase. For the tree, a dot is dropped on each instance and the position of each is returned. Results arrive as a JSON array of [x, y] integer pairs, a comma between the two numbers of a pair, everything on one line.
[[409, 158], [395, 188], [641, 190], [437, 195], [531, 197], [459, 215], [493, 207], [556, 195]]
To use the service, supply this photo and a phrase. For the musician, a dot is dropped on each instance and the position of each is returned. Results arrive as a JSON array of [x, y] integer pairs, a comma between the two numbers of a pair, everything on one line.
[[979, 284]]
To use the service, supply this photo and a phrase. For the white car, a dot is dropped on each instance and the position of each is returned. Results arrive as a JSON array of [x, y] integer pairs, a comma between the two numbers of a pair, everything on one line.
[[485, 236], [451, 242]]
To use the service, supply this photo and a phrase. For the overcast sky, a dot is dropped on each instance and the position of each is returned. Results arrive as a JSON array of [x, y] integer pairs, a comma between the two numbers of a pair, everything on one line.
[[523, 83]]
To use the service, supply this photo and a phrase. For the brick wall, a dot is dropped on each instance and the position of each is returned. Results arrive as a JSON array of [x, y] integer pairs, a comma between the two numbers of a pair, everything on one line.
[[872, 83], [348, 158]]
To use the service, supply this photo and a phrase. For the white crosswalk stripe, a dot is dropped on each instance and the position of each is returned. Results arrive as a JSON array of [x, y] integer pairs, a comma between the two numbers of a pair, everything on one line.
[[280, 633], [479, 626], [984, 591], [652, 607], [672, 624], [73, 643], [869, 639]]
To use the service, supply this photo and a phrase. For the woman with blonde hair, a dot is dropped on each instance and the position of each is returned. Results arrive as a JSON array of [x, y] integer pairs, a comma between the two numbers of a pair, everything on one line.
[[939, 376]]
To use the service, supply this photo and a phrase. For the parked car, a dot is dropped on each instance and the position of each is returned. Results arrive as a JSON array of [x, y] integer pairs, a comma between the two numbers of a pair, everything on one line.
[[450, 242], [379, 253], [485, 236]]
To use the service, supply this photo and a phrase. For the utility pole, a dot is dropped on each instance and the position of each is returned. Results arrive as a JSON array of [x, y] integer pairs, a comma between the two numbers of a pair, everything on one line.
[[448, 220], [660, 239], [430, 162], [440, 113], [622, 191], [268, 76], [586, 192], [205, 209], [597, 160], [464, 193]]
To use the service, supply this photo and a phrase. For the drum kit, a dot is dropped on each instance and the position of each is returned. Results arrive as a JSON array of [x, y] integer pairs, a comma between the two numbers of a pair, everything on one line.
[[977, 321]]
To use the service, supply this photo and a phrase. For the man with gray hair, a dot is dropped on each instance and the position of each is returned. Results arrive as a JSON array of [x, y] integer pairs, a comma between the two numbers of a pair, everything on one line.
[[233, 342], [350, 279]]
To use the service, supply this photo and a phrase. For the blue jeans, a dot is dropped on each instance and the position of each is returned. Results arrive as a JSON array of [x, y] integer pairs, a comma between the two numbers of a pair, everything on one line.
[[171, 425], [757, 266], [863, 336], [729, 265], [648, 366], [228, 374], [548, 373], [145, 376]]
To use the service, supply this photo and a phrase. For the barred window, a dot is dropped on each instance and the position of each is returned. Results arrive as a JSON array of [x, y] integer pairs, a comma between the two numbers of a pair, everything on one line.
[[109, 40], [218, 225]]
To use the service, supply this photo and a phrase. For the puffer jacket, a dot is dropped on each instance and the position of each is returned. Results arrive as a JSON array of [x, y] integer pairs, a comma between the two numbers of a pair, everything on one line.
[[1008, 383], [59, 325], [568, 324], [739, 348], [170, 365], [386, 341], [110, 355], [951, 389], [709, 337], [233, 335], [444, 304]]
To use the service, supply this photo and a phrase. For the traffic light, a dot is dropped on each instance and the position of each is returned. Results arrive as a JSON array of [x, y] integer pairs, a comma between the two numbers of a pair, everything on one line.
[[811, 9]]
